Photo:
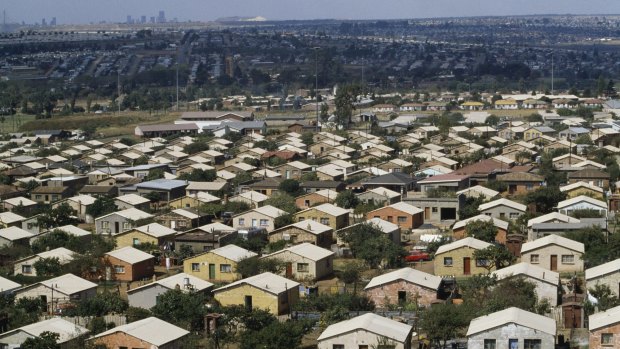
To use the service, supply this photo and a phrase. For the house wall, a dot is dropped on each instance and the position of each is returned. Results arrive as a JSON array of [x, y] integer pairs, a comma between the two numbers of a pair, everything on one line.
[[543, 289], [582, 206], [595, 337], [388, 293], [133, 272], [123, 205], [276, 305], [112, 220], [289, 172], [59, 298], [360, 338], [297, 235], [392, 215], [612, 280], [211, 258], [544, 258], [211, 241], [146, 298], [184, 202], [599, 182], [510, 331], [17, 267], [127, 239], [502, 212], [248, 216], [370, 196], [119, 340], [316, 269], [309, 200], [335, 222], [457, 263]]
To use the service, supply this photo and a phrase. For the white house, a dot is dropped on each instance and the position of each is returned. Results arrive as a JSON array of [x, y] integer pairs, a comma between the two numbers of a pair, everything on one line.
[[366, 331], [582, 202], [546, 282]]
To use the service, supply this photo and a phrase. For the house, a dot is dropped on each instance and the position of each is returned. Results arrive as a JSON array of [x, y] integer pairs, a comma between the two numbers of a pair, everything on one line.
[[396, 165], [395, 181], [68, 333], [266, 291], [314, 186], [253, 198], [213, 188], [59, 291], [305, 261], [454, 259], [151, 333], [7, 286], [10, 219], [605, 274], [49, 194], [309, 231], [184, 218], [219, 264], [546, 283], [580, 203], [566, 161], [206, 238], [583, 188], [326, 214], [366, 331], [538, 226], [590, 176], [503, 209], [458, 230], [535, 132], [262, 217], [403, 286], [477, 191], [405, 215], [194, 201], [118, 222], [25, 266], [446, 182], [572, 133], [511, 328], [293, 170], [22, 202], [604, 329], [521, 182], [555, 253], [379, 196], [126, 201], [315, 198], [152, 233], [80, 204], [130, 264], [11, 236], [146, 296], [163, 189], [506, 104]]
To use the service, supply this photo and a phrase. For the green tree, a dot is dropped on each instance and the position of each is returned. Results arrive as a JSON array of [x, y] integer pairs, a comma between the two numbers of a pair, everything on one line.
[[443, 322], [156, 173], [497, 256], [344, 102], [492, 120], [102, 206], [55, 239], [46, 340], [290, 186], [48, 266], [470, 207], [347, 199], [283, 201], [180, 308], [606, 299], [370, 244], [481, 230], [546, 198], [62, 215], [101, 304], [252, 266]]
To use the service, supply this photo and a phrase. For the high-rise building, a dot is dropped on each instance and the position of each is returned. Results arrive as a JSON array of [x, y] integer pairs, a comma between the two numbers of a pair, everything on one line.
[[53, 21], [143, 19], [162, 17], [152, 19], [129, 20], [43, 22]]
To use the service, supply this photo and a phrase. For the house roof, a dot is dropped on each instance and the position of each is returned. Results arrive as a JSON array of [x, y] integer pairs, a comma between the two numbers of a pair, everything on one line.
[[393, 178], [175, 280], [162, 184], [66, 330], [384, 192], [530, 270], [512, 316], [581, 198], [132, 199], [306, 250], [604, 319], [268, 211], [466, 242], [581, 184], [310, 226], [369, 322], [329, 209], [589, 173], [206, 186], [154, 229], [552, 217], [14, 233], [7, 285], [217, 227], [233, 252], [479, 189], [253, 195], [482, 217], [502, 202], [151, 330], [268, 282], [131, 213], [405, 207], [20, 200], [64, 255], [384, 226], [603, 269], [68, 284], [10, 217], [448, 177], [130, 255], [552, 240], [520, 177], [407, 274]]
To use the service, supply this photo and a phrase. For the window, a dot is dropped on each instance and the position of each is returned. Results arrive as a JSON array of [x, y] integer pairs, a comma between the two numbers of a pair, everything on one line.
[[26, 269], [607, 338], [338, 346], [119, 269], [105, 225], [534, 259], [303, 267], [434, 209], [532, 344], [264, 222], [241, 221], [301, 219], [447, 261], [402, 219], [38, 197], [325, 221], [390, 218], [126, 225], [225, 268], [568, 259], [482, 262], [529, 186], [136, 241], [514, 215], [489, 344], [195, 266], [182, 223]]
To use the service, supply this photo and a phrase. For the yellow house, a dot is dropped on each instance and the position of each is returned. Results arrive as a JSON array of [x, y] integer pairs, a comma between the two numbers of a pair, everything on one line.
[[457, 258], [266, 291], [326, 214], [219, 264], [193, 201], [582, 188], [153, 233]]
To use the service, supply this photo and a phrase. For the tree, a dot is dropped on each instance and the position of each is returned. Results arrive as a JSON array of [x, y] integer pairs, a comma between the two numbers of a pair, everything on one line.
[[470, 207], [492, 120], [48, 266], [182, 309], [442, 322], [62, 215], [545, 198], [606, 299], [481, 230], [283, 201], [496, 256], [346, 199], [344, 102], [46, 340], [155, 173], [369, 243], [102, 206], [101, 304], [290, 186], [283, 221], [251, 266], [55, 239]]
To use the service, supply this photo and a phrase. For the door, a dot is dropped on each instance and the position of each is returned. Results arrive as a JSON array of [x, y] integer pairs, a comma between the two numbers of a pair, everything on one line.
[[554, 262], [427, 212], [248, 303], [116, 228], [173, 224], [402, 296], [254, 222], [289, 270], [466, 266], [211, 271]]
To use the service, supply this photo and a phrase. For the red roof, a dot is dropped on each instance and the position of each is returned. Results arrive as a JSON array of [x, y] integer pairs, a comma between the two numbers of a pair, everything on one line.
[[282, 154]]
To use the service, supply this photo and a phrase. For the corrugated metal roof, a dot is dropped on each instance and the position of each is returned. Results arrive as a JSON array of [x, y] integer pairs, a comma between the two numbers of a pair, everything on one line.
[[466, 242], [603, 269], [151, 330], [268, 282], [130, 255], [233, 252], [512, 316], [372, 323], [552, 240], [604, 319], [527, 269], [407, 274]]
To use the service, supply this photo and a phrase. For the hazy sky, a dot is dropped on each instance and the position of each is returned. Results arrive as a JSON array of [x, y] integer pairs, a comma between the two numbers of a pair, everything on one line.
[[85, 11]]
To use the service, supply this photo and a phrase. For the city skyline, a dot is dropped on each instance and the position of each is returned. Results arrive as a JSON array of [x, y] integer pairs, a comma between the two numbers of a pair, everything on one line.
[[33, 11]]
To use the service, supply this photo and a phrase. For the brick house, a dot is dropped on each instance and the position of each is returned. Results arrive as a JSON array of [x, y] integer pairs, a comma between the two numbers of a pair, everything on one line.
[[521, 182], [130, 264], [315, 198], [406, 216], [150, 333], [403, 285], [605, 329]]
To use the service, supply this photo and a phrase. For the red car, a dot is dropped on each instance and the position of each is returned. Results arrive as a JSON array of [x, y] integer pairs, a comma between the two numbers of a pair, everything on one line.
[[417, 256]]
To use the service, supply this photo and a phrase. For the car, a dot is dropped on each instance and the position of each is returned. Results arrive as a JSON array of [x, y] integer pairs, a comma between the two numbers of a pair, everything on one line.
[[417, 256]]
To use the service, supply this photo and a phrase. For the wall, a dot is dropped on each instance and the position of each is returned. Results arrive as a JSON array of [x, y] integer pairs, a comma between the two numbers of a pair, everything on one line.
[[146, 298], [612, 280], [497, 212], [121, 339], [127, 239], [211, 258], [357, 338], [388, 293], [298, 235], [544, 257], [410, 222], [248, 221], [313, 199], [59, 298], [138, 271], [457, 263], [316, 270], [316, 215], [260, 299], [509, 331], [595, 337], [112, 219]]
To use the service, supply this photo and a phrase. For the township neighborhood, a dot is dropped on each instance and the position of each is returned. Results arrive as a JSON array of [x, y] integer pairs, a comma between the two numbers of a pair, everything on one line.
[[415, 216]]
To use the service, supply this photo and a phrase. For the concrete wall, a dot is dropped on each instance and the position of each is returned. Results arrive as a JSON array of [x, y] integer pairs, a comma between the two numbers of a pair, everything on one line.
[[297, 235], [502, 212], [544, 258], [120, 339], [316, 269], [595, 337], [59, 298], [277, 305], [127, 239], [392, 215], [316, 215], [112, 220], [510, 331], [248, 216], [360, 338], [612, 280], [457, 263], [146, 298], [388, 293], [312, 199], [204, 260]]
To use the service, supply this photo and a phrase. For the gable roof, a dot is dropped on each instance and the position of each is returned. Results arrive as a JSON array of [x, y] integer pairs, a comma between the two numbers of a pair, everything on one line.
[[479, 189], [329, 209], [306, 250], [369, 322], [405, 207], [67, 284], [233, 252], [151, 330], [603, 269], [66, 330], [268, 282], [482, 217], [582, 198], [502, 202], [604, 319], [14, 233], [530, 270], [512, 316], [581, 184], [310, 226], [153, 229], [171, 283], [131, 213], [550, 217], [130, 255], [406, 274], [466, 242], [552, 240]]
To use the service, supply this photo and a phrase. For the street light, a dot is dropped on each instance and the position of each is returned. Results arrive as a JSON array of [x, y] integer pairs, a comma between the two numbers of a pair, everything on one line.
[[316, 84]]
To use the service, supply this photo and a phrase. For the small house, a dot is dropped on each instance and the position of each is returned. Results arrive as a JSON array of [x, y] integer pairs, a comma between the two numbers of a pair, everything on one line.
[[146, 296], [219, 264], [555, 253], [151, 333], [366, 331], [305, 261], [403, 286], [455, 259], [130, 264]]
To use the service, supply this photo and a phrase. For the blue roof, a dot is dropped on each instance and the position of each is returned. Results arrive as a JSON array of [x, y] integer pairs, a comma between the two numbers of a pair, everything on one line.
[[165, 184]]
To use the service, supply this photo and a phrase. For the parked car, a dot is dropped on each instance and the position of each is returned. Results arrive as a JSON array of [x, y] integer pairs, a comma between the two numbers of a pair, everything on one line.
[[417, 256]]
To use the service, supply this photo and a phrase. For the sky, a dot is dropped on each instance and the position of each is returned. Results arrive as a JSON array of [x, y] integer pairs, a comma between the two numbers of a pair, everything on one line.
[[87, 11]]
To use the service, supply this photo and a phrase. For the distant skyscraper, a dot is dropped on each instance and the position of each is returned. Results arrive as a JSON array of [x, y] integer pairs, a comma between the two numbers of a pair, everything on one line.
[[129, 20], [143, 19], [53, 21], [43, 22], [152, 19], [162, 17]]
